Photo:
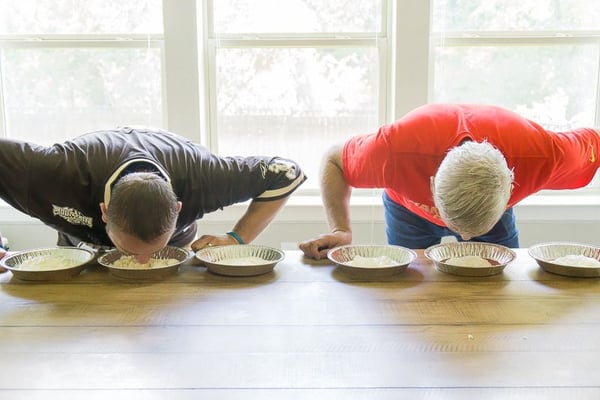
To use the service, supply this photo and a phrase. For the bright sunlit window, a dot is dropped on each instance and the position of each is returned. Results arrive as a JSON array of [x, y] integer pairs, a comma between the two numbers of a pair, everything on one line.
[[539, 58], [289, 77], [69, 66], [292, 77]]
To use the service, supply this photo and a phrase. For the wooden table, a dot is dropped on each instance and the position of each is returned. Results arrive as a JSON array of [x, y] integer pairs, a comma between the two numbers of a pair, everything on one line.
[[303, 332]]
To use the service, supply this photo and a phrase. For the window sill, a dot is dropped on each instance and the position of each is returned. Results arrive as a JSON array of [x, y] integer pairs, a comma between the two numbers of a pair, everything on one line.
[[541, 207]]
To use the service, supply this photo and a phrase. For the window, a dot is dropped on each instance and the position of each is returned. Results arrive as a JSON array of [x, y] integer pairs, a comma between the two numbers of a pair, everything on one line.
[[539, 58], [67, 67], [292, 77], [289, 77]]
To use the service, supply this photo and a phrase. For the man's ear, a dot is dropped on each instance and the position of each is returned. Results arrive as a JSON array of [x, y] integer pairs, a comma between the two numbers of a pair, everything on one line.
[[103, 210], [179, 204]]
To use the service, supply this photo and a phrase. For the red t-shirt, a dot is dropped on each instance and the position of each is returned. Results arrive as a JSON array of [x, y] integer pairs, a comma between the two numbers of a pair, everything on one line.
[[402, 157]]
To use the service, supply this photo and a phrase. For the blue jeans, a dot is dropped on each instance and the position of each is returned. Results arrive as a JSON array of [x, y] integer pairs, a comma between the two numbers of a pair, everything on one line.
[[404, 228]]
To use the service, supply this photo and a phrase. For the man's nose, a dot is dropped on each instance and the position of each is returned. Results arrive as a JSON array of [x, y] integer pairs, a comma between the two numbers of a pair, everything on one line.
[[142, 258]]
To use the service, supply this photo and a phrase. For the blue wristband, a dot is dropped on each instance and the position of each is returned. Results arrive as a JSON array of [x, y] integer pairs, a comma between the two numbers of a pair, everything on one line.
[[236, 237]]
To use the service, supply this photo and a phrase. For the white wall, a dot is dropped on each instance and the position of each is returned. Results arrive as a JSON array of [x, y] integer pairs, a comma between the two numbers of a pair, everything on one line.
[[540, 219]]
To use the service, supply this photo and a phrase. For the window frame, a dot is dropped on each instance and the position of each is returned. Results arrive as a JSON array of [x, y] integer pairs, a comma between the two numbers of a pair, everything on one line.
[[188, 50], [214, 41], [76, 41], [503, 38], [525, 38], [408, 87]]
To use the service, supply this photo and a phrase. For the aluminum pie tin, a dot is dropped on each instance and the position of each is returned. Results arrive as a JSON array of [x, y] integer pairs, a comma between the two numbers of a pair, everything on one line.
[[48, 264], [499, 256], [218, 259], [546, 253], [143, 274], [345, 258]]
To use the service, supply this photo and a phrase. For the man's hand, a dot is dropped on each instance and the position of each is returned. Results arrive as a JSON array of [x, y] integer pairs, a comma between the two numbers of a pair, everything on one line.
[[318, 247], [213, 240]]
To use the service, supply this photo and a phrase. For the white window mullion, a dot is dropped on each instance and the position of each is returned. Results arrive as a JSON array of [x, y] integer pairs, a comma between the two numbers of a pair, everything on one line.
[[2, 113], [181, 60], [211, 87], [385, 85], [597, 119], [205, 76], [411, 55]]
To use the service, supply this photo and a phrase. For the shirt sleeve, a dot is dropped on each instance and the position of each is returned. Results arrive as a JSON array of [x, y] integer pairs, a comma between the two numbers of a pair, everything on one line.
[[575, 159], [281, 177], [15, 167], [223, 181], [364, 159]]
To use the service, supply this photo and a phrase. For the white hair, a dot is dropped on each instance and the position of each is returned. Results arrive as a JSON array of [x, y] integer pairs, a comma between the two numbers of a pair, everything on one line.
[[472, 187]]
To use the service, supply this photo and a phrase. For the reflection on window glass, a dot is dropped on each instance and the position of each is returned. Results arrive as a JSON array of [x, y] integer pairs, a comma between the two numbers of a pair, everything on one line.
[[294, 101], [490, 15], [52, 94], [296, 16], [554, 85], [80, 17]]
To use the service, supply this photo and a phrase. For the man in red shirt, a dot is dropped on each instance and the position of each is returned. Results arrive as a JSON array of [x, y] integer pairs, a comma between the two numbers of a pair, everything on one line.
[[451, 169]]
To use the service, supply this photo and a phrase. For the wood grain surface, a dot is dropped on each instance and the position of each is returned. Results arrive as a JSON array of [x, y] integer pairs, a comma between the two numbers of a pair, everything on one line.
[[305, 331]]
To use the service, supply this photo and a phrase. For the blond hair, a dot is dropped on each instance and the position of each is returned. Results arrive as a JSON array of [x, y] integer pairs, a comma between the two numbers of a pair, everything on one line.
[[472, 187]]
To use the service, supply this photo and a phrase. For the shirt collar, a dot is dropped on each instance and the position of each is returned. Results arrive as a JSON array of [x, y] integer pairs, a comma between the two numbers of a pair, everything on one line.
[[121, 171]]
